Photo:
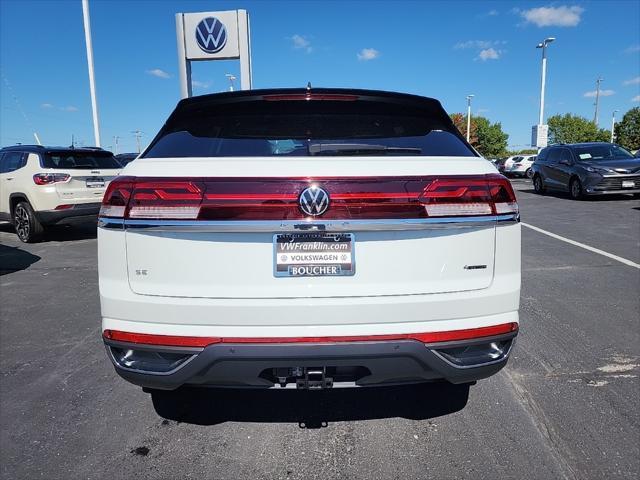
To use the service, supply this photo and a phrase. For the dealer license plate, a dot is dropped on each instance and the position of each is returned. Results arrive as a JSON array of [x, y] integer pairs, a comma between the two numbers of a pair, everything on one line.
[[95, 182], [628, 184], [314, 254]]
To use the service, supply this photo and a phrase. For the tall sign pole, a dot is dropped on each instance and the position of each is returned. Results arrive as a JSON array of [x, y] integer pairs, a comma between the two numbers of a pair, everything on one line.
[[92, 80], [206, 36]]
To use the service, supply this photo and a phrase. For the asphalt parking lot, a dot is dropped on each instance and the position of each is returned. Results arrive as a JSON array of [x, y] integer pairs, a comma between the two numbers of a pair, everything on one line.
[[567, 405]]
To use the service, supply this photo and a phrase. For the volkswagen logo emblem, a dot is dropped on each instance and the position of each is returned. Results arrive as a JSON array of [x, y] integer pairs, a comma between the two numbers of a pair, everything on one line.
[[211, 35], [314, 201]]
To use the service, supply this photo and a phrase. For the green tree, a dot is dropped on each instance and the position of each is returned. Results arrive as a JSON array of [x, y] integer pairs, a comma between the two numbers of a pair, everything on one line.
[[486, 137], [460, 121], [569, 128], [492, 141], [628, 130]]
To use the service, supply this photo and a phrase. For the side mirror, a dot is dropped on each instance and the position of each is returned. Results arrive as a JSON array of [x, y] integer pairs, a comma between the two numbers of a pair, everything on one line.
[[564, 161]]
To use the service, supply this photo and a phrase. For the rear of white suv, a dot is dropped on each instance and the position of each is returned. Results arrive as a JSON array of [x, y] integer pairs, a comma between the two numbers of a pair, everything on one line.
[[308, 238], [42, 186]]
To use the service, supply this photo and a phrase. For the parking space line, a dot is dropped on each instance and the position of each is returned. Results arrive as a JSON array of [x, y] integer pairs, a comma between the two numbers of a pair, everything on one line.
[[582, 245]]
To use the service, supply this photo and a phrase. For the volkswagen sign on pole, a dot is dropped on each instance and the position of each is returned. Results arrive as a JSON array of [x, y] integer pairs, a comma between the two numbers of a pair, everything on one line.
[[213, 36]]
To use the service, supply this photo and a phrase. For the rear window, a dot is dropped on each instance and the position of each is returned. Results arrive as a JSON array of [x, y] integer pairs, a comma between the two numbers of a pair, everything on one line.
[[79, 160], [307, 128]]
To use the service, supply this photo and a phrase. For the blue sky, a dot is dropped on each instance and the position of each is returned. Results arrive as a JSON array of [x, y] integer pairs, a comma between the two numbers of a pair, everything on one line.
[[444, 50]]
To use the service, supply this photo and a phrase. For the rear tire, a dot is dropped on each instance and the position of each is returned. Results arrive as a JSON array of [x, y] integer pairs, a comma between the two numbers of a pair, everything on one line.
[[575, 189], [528, 173], [28, 227], [538, 186]]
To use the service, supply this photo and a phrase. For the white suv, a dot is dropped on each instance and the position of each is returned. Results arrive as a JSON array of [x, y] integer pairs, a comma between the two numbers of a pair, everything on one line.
[[308, 238], [519, 166], [41, 186]]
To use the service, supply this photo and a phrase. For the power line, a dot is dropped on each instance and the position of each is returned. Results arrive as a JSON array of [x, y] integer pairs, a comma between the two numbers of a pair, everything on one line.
[[15, 99]]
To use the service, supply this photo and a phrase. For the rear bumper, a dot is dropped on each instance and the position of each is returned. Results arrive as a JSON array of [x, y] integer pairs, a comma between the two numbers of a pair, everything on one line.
[[347, 363], [78, 213], [594, 191]]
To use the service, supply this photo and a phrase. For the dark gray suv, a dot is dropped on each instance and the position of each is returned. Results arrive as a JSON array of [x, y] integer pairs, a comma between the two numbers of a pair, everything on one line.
[[595, 168]]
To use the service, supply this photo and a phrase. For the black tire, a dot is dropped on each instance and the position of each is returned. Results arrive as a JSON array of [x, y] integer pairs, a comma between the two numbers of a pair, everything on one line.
[[538, 186], [528, 173], [575, 189], [28, 227]]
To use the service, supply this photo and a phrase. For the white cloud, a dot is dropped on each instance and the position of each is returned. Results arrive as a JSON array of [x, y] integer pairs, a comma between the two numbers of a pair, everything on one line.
[[603, 93], [632, 81], [553, 16], [200, 84], [632, 49], [69, 108], [636, 98], [489, 54], [156, 72], [368, 54], [300, 42], [493, 13], [46, 105], [473, 44]]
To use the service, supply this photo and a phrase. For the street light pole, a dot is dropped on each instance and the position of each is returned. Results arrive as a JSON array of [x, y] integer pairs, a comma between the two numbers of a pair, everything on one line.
[[469, 97], [92, 80], [231, 79], [613, 124], [543, 46]]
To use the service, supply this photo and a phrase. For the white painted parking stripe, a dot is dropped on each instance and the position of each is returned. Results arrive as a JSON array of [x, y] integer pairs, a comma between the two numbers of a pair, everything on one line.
[[582, 245]]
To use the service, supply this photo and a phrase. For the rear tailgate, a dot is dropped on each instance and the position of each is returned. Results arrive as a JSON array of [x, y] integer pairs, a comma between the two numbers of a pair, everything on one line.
[[85, 185], [398, 257]]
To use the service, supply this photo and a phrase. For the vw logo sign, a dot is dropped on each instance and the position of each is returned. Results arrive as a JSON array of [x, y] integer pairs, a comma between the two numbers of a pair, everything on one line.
[[211, 35], [314, 201]]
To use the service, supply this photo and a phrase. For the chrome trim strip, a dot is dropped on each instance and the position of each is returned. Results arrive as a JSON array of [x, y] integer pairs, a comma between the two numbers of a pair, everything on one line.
[[275, 226], [111, 223]]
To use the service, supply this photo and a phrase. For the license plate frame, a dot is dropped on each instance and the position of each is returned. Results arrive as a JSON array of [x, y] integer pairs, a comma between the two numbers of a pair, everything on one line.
[[94, 182], [628, 184], [296, 261]]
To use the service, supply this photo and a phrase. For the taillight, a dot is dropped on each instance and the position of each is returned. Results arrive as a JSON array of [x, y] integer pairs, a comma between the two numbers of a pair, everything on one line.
[[152, 199], [278, 198], [166, 199], [452, 197], [116, 198], [49, 178]]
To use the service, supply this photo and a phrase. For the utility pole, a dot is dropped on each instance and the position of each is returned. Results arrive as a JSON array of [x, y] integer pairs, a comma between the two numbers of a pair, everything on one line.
[[137, 134], [613, 124], [115, 143], [595, 117], [469, 97]]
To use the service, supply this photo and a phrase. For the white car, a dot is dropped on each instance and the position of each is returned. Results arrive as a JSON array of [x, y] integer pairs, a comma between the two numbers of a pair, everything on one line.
[[296, 238], [519, 166], [42, 186]]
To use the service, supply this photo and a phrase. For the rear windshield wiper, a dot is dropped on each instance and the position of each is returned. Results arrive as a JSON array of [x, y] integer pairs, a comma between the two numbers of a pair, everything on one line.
[[358, 149]]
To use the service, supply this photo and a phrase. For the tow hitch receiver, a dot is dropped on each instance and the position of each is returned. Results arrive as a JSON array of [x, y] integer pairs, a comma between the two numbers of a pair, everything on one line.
[[308, 378], [314, 378]]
